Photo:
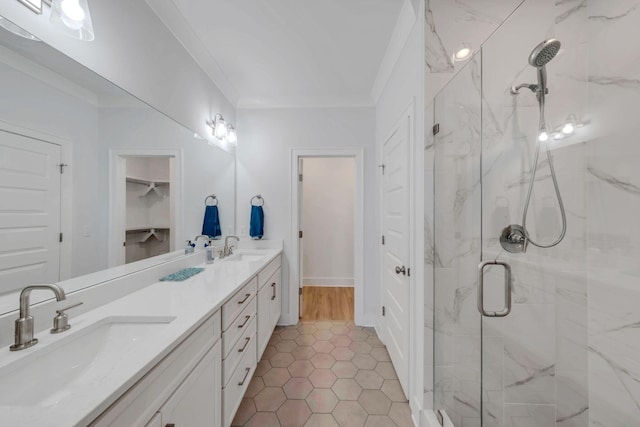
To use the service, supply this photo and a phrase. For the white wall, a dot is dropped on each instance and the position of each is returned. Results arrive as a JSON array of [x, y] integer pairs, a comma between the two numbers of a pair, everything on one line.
[[263, 158], [328, 215], [134, 50], [405, 89]]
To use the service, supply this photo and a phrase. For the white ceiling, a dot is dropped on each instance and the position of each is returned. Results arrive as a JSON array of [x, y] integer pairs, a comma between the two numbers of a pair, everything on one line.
[[277, 53]]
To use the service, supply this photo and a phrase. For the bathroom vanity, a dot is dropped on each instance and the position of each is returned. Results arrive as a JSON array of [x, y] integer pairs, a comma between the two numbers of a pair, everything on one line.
[[166, 354]]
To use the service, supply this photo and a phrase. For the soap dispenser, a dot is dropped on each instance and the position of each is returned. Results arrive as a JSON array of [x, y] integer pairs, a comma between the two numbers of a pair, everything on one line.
[[190, 247], [209, 248]]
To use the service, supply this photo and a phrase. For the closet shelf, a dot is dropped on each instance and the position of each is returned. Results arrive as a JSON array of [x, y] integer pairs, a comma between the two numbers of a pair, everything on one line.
[[138, 180], [138, 229]]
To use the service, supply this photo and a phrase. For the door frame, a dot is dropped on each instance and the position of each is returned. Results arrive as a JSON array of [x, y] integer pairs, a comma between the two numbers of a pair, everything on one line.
[[358, 232], [66, 189], [117, 195]]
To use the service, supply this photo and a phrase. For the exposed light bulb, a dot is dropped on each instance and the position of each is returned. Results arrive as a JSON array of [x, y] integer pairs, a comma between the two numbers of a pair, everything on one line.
[[543, 136], [232, 136], [72, 10], [568, 129], [220, 127], [558, 135]]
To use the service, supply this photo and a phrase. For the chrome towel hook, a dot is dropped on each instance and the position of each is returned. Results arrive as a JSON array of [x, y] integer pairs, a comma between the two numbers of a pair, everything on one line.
[[260, 200], [213, 198]]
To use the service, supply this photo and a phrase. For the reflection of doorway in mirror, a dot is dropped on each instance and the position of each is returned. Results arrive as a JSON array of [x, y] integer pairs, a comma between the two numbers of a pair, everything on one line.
[[30, 213], [144, 203], [148, 207]]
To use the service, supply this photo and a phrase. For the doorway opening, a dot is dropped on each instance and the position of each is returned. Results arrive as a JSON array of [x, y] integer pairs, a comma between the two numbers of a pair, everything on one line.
[[327, 250]]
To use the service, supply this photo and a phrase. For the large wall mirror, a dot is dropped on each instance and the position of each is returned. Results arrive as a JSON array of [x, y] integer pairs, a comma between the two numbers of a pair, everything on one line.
[[91, 178]]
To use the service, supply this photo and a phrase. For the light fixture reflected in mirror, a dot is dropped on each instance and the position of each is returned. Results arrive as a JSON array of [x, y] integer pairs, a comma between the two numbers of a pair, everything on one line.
[[232, 136], [72, 17], [218, 127]]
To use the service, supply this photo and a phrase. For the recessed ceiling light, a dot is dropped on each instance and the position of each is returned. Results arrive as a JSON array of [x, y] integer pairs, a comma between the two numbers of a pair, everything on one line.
[[463, 52]]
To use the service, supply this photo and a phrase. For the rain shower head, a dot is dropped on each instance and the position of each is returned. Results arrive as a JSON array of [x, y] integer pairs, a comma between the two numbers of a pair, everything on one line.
[[544, 53]]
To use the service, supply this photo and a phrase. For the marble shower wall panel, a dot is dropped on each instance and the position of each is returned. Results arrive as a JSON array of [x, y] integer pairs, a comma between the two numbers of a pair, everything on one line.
[[451, 23], [457, 246], [613, 203], [532, 382]]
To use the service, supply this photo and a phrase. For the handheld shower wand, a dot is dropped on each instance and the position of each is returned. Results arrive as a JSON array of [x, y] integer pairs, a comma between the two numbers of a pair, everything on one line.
[[514, 238]]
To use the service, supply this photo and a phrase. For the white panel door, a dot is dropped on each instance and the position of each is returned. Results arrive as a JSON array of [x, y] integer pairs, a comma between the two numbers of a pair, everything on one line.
[[301, 242], [29, 211], [395, 223]]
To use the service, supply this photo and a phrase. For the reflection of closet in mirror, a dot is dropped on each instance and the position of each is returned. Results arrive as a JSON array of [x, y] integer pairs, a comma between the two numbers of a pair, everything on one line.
[[148, 207]]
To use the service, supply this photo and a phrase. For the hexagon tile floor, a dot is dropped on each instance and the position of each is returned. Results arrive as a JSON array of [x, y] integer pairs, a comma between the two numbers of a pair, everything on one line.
[[324, 374]]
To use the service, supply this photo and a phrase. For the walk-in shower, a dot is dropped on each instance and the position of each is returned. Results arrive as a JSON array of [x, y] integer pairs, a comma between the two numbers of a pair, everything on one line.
[[515, 238]]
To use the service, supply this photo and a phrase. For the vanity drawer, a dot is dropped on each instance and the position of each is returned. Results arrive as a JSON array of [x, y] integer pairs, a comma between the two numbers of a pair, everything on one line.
[[238, 327], [266, 273], [247, 342], [233, 392], [238, 302]]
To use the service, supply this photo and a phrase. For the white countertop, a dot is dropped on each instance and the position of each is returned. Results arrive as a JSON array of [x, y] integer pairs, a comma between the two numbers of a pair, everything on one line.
[[191, 302]]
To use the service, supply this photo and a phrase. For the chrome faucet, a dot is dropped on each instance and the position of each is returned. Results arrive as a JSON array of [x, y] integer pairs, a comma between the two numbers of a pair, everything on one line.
[[24, 324], [228, 250], [208, 238]]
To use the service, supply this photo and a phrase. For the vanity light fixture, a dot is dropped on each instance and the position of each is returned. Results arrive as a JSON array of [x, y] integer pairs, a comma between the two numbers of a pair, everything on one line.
[[72, 17], [462, 53], [218, 127], [34, 5], [232, 136]]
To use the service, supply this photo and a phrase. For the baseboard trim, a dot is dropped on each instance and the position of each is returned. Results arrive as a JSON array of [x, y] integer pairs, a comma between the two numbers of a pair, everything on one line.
[[336, 282]]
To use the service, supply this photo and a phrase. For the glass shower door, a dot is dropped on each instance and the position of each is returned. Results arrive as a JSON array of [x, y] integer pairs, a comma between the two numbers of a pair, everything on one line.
[[457, 247]]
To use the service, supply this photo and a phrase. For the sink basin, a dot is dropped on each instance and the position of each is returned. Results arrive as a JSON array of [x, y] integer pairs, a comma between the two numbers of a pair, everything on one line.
[[246, 257], [45, 375]]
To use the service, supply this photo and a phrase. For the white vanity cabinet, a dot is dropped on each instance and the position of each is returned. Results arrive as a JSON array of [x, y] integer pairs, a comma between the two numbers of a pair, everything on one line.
[[269, 302], [183, 389]]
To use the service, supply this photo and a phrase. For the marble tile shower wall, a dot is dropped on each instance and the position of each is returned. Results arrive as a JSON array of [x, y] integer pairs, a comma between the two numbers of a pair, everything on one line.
[[569, 354]]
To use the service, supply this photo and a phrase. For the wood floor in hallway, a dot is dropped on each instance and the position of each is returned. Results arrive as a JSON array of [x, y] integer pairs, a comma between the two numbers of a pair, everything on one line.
[[324, 374], [327, 303]]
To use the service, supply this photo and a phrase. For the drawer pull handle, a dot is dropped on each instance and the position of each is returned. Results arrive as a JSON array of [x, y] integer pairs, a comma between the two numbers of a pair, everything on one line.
[[246, 343], [246, 319], [273, 286], [246, 374], [170, 425], [246, 297]]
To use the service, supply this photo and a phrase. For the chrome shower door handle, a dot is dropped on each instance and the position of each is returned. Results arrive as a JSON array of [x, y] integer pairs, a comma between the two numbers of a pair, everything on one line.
[[507, 289]]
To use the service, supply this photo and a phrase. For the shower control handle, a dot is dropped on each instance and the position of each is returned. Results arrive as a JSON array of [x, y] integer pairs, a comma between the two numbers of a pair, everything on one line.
[[507, 289], [401, 270]]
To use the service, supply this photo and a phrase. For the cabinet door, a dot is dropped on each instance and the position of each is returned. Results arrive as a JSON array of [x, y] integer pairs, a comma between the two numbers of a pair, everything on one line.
[[275, 300], [197, 401], [264, 319]]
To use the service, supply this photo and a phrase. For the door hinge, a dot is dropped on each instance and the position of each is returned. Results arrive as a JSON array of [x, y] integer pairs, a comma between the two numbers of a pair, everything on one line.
[[383, 240], [300, 177], [62, 166], [382, 166], [300, 234], [60, 238], [383, 310], [436, 128], [408, 272], [299, 291], [124, 243]]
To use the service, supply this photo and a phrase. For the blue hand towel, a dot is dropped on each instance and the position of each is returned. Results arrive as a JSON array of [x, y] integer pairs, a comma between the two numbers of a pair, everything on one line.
[[256, 225], [211, 224]]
